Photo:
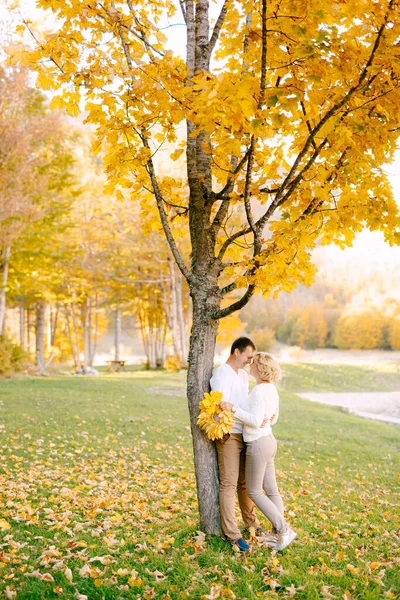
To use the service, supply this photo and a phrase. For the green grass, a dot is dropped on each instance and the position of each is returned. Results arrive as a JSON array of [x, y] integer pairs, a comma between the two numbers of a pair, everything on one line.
[[101, 468]]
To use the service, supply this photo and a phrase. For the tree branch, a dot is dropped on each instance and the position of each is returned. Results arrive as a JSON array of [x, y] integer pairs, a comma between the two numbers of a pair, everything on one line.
[[217, 28], [183, 9], [141, 35], [224, 312], [230, 241], [163, 215]]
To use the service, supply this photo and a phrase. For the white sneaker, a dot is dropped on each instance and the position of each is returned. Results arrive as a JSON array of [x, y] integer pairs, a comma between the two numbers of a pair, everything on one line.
[[269, 539], [284, 539]]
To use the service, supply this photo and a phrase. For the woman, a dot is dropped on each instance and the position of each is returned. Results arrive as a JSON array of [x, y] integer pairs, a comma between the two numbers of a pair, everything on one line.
[[261, 445]]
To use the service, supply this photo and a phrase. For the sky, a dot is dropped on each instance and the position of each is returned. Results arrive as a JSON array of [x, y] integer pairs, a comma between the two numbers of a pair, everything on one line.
[[370, 242]]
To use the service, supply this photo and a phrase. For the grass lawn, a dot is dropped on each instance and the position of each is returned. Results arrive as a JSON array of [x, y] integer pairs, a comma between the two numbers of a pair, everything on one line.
[[98, 499]]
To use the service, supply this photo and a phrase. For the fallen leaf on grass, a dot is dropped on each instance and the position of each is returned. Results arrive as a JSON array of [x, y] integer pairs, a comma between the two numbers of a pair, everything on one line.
[[218, 591], [326, 593], [58, 590], [291, 590], [10, 594], [157, 574]]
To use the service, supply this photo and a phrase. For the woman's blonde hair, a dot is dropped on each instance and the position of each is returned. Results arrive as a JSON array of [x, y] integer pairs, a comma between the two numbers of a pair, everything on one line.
[[268, 367]]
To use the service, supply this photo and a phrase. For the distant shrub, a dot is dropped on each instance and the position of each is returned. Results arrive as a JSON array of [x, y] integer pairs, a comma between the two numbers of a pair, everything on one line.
[[394, 333], [359, 331], [284, 331], [11, 356], [173, 363], [263, 338], [310, 329]]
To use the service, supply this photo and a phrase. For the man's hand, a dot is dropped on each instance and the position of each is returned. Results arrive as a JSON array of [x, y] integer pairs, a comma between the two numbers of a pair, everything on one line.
[[225, 405]]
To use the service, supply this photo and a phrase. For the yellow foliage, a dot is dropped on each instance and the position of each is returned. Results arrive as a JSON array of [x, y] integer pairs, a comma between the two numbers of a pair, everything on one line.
[[230, 328], [394, 333], [210, 411], [322, 120], [264, 338], [173, 363], [310, 329], [359, 331]]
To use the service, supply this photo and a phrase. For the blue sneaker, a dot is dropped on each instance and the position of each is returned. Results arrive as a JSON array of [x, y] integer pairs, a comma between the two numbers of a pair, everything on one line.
[[240, 545]]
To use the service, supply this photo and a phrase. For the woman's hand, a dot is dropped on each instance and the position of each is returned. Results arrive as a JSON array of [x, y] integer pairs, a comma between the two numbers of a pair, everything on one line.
[[267, 420], [225, 405]]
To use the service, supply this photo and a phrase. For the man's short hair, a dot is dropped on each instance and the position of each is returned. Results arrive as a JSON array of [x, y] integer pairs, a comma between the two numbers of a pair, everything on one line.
[[241, 344]]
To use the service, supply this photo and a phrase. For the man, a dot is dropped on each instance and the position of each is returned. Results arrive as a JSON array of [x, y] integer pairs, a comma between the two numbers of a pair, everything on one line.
[[233, 382]]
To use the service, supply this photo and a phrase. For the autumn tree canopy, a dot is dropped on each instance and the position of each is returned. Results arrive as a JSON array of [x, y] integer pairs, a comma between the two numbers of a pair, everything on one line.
[[291, 111]]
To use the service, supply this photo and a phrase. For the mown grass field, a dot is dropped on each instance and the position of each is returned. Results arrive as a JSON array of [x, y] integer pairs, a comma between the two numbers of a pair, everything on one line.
[[97, 493]]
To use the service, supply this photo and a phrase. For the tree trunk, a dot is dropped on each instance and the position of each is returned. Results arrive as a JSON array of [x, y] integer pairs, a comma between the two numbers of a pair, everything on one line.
[[181, 320], [75, 357], [22, 323], [85, 335], [28, 332], [53, 323], [96, 331], [117, 333], [3, 286], [90, 332], [40, 332], [174, 310], [201, 358], [48, 328], [76, 333]]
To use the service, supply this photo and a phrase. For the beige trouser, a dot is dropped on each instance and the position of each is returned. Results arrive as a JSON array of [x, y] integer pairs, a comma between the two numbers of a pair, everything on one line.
[[260, 478], [231, 464]]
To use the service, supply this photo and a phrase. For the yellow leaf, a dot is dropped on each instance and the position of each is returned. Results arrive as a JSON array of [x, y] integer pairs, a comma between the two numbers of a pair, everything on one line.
[[176, 154], [58, 590], [72, 109], [4, 524], [57, 103]]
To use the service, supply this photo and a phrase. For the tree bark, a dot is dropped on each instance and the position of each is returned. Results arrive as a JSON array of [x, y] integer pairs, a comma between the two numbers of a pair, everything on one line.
[[40, 333], [4, 278], [201, 358]]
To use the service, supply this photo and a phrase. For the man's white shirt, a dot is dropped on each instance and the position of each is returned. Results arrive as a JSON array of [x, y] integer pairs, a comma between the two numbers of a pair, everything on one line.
[[233, 386]]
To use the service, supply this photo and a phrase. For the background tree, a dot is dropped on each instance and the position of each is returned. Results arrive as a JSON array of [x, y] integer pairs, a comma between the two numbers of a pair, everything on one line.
[[35, 168], [362, 330], [290, 111]]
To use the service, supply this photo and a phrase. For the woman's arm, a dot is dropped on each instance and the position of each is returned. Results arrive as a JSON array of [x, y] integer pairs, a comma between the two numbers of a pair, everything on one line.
[[264, 407]]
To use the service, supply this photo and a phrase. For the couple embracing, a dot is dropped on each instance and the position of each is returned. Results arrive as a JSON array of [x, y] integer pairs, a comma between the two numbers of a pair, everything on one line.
[[246, 455]]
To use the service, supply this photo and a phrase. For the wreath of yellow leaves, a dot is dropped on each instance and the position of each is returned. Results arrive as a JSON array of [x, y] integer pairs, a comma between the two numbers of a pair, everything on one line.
[[209, 409]]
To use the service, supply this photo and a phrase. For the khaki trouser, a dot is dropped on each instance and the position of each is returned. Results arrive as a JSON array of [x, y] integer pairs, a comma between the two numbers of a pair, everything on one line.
[[231, 463], [260, 478]]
